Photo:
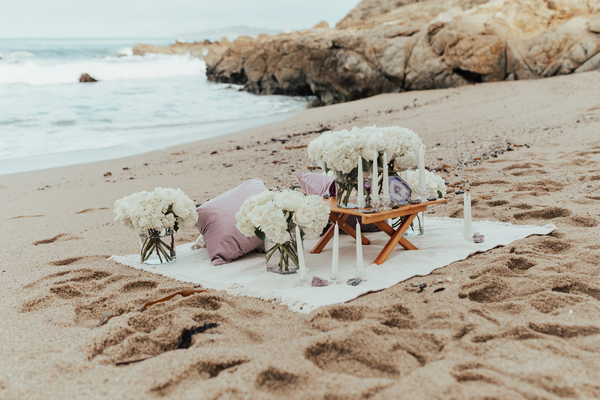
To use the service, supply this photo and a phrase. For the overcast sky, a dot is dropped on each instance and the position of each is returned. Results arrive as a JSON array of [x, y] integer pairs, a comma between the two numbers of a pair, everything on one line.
[[159, 18]]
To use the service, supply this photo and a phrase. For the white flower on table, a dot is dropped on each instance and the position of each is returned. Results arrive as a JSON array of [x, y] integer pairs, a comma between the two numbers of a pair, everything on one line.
[[435, 182]]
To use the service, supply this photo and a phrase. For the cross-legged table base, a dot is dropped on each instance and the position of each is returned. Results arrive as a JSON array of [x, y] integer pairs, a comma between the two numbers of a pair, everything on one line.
[[379, 219]]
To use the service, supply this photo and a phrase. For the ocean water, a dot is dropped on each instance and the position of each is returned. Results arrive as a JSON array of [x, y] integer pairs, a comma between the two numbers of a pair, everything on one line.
[[49, 119]]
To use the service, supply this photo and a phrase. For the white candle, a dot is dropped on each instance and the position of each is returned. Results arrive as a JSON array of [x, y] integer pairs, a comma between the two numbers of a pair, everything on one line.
[[386, 187], [375, 182], [360, 186], [421, 171], [360, 270], [336, 253], [301, 264]]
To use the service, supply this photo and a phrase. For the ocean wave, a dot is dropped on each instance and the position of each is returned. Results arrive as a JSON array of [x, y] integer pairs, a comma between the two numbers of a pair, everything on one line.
[[27, 70]]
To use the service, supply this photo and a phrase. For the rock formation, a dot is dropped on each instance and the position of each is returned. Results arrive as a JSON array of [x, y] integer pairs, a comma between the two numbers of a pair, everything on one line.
[[86, 78], [196, 49], [390, 46]]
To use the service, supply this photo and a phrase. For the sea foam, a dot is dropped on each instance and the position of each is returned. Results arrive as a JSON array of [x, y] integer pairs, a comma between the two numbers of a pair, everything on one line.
[[22, 69]]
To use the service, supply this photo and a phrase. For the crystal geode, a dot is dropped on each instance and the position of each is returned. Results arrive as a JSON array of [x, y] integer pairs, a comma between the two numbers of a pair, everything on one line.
[[399, 190]]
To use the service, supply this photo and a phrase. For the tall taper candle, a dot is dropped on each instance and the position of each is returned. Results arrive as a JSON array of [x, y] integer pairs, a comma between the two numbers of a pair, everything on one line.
[[422, 172], [385, 188], [360, 269], [360, 187], [301, 264], [375, 182], [335, 267]]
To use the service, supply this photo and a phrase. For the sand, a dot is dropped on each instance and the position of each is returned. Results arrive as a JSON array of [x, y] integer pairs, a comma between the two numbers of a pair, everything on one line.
[[515, 322]]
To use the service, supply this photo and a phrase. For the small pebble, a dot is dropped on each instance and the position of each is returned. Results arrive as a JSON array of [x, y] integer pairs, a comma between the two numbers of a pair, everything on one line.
[[432, 197], [354, 281], [415, 201]]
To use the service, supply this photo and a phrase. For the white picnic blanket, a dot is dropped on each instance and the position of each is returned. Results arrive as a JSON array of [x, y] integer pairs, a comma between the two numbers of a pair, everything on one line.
[[441, 245]]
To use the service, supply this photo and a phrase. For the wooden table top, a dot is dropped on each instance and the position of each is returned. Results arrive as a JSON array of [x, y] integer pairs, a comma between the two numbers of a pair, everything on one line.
[[381, 215]]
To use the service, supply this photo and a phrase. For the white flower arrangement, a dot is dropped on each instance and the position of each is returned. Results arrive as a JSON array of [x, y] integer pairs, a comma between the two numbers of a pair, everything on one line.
[[339, 150], [273, 215], [435, 183], [157, 210]]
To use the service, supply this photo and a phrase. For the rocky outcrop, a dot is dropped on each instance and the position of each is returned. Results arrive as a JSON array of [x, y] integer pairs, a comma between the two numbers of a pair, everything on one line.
[[415, 45], [86, 78], [196, 49]]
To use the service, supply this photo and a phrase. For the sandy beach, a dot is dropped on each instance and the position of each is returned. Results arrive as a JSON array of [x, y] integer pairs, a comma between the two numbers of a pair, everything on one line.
[[516, 322]]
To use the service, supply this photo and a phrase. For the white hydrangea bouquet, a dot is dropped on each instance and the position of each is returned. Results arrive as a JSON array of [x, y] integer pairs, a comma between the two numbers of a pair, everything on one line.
[[156, 216], [273, 216], [434, 183], [339, 151]]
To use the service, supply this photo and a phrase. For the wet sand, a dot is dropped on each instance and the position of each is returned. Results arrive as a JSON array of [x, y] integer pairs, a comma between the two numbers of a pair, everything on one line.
[[515, 322]]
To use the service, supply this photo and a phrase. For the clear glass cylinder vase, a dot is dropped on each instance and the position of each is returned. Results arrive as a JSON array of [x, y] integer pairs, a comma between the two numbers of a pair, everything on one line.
[[417, 227], [346, 186], [282, 258], [158, 247]]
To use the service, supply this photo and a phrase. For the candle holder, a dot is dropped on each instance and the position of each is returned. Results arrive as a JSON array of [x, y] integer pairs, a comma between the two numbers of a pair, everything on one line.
[[335, 278], [361, 200], [375, 202], [360, 273], [306, 281], [423, 193]]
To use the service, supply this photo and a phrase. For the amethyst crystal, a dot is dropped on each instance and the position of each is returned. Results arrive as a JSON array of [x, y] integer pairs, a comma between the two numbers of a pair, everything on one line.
[[354, 281], [316, 281], [332, 189]]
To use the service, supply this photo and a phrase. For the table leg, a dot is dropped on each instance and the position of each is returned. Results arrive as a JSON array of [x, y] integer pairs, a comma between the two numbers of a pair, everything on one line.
[[329, 234], [396, 238], [347, 228], [390, 232]]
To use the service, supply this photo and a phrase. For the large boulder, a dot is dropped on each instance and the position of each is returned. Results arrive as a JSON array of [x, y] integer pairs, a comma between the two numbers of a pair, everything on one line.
[[388, 45]]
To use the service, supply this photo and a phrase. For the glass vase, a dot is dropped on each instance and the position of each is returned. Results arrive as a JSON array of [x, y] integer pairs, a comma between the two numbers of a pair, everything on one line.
[[346, 186], [417, 227], [282, 258], [157, 247]]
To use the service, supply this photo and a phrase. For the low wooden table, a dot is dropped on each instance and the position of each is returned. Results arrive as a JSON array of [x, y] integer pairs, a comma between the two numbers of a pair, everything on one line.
[[379, 218]]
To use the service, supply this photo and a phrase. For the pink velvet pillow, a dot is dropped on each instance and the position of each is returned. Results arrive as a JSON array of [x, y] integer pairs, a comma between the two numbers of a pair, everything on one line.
[[317, 184], [216, 222], [320, 185]]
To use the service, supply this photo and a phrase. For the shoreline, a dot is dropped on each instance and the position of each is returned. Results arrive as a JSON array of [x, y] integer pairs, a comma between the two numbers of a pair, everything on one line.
[[208, 130]]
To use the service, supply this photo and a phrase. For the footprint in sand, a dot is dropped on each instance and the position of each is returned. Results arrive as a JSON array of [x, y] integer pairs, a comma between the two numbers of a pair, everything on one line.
[[522, 166], [87, 210], [361, 353], [544, 185], [199, 371], [497, 203], [274, 380], [26, 216], [76, 260], [58, 238], [547, 213]]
